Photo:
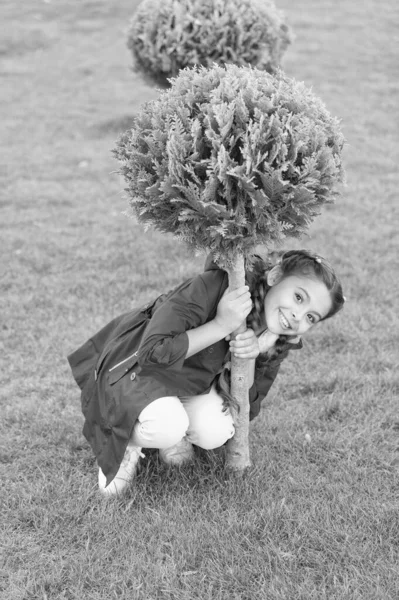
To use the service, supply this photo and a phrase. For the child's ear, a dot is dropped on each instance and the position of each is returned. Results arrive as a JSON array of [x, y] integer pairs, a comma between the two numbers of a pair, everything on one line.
[[274, 275]]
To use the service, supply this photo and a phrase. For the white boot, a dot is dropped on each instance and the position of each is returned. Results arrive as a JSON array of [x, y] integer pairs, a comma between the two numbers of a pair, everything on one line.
[[125, 472], [181, 453]]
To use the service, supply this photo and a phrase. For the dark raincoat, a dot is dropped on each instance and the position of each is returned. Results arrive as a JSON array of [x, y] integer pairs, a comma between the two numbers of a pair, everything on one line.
[[140, 356]]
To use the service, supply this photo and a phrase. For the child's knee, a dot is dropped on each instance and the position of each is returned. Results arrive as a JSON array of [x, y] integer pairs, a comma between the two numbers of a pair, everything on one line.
[[162, 424], [210, 439], [210, 427], [211, 434]]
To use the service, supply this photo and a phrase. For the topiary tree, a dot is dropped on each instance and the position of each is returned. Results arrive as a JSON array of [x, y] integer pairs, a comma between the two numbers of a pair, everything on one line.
[[229, 158], [168, 35]]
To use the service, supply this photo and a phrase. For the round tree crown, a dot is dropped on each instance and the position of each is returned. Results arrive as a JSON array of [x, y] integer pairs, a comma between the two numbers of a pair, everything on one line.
[[168, 35], [231, 157]]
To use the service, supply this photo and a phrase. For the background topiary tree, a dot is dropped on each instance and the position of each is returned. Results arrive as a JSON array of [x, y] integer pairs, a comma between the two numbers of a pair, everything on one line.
[[168, 35], [229, 158]]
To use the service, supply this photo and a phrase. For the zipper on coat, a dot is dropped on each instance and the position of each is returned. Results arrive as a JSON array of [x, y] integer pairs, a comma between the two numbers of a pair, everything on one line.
[[123, 361]]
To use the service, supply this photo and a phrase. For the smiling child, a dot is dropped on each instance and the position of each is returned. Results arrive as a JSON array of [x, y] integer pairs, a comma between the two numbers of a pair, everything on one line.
[[158, 376]]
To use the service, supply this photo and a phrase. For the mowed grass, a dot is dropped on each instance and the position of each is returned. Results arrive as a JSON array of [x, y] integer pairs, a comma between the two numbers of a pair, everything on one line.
[[316, 517]]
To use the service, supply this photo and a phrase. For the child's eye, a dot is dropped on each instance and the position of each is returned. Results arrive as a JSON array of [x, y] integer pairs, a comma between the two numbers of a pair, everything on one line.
[[298, 297], [311, 318]]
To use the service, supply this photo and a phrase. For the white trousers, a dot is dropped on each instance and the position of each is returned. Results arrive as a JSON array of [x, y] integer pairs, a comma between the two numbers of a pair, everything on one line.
[[165, 421]]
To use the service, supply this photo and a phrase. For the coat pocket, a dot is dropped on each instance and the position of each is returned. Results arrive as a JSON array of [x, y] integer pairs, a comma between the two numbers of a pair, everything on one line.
[[122, 389], [120, 350], [116, 372]]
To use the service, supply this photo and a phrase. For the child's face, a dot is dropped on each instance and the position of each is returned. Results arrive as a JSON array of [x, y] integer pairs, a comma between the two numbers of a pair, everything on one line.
[[295, 304]]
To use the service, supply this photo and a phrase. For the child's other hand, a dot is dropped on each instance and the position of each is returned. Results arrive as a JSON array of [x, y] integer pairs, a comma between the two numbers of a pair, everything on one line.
[[233, 309], [245, 345]]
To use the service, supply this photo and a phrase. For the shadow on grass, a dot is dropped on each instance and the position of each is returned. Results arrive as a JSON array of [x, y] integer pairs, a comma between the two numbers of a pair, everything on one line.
[[207, 469], [114, 126], [204, 481], [157, 485]]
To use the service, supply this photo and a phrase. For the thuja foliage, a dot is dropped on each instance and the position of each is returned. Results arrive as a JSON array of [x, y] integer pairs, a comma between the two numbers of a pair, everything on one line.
[[168, 35], [231, 157]]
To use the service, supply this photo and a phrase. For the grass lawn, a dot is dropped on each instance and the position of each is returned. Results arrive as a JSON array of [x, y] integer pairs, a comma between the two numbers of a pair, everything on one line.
[[315, 517]]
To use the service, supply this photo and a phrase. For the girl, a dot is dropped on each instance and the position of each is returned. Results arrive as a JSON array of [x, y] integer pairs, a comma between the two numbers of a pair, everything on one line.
[[158, 377]]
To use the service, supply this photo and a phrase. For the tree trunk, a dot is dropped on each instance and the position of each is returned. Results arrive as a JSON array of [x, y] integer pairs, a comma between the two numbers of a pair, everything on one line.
[[238, 446]]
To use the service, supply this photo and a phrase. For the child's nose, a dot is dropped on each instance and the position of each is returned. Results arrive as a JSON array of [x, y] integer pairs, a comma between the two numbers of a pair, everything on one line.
[[297, 314]]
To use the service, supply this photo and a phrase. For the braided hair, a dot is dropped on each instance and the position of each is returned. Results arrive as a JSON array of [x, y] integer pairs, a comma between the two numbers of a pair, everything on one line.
[[293, 262]]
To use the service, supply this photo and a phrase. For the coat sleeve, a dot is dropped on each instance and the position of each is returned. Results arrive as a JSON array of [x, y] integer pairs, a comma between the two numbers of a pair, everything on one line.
[[192, 304]]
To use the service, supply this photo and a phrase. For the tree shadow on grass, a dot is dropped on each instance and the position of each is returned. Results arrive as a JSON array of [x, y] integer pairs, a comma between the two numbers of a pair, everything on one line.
[[112, 127]]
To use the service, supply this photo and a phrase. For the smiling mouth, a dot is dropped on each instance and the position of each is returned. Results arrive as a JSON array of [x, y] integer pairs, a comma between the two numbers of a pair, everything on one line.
[[283, 321]]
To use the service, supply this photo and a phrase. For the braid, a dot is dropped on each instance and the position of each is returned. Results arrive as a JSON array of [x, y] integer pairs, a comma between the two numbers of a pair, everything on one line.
[[256, 320], [259, 288], [222, 386], [257, 280]]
